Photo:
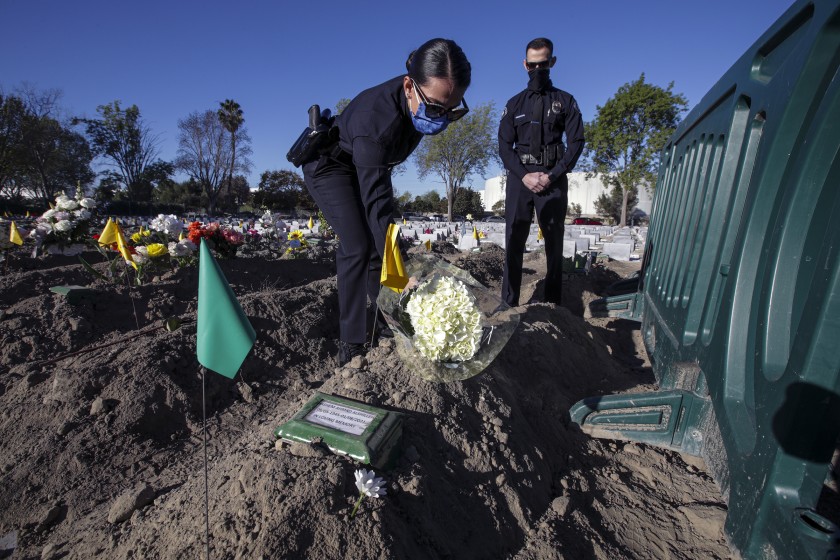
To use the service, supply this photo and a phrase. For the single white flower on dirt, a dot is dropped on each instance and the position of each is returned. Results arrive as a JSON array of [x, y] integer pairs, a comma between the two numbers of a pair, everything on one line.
[[369, 484]]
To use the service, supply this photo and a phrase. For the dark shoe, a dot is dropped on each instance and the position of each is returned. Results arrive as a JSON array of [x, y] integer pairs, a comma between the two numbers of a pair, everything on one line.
[[349, 350], [382, 329]]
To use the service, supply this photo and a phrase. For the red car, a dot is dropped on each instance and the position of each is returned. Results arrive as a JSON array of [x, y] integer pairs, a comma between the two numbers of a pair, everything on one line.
[[587, 222]]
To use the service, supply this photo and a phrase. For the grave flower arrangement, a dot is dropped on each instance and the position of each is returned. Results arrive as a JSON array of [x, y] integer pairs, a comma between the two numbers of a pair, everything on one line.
[[222, 239], [66, 227], [297, 244], [447, 325]]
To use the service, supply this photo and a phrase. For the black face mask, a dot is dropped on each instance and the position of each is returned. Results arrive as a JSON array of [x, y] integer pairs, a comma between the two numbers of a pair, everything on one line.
[[538, 79]]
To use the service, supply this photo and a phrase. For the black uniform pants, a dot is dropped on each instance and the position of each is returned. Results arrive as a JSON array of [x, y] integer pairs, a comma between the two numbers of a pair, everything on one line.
[[360, 220], [551, 213]]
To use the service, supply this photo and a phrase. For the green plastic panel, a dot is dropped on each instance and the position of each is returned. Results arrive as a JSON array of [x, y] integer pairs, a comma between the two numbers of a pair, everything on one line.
[[741, 290]]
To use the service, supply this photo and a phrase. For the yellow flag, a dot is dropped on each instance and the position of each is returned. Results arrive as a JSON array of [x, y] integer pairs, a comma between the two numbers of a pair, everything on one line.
[[393, 271], [403, 221], [122, 246], [52, 206], [475, 233], [27, 213], [539, 234], [109, 234], [15, 235], [311, 223], [428, 244], [181, 236]]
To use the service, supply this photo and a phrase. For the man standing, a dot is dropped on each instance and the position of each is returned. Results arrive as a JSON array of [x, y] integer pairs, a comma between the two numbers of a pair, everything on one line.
[[531, 148]]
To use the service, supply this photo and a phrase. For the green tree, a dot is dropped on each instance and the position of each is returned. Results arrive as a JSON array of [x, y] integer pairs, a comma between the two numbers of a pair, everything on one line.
[[186, 194], [236, 194], [127, 145], [499, 207], [51, 159], [469, 203], [230, 115], [624, 141], [402, 203], [468, 146], [279, 190], [617, 203], [427, 203], [12, 117]]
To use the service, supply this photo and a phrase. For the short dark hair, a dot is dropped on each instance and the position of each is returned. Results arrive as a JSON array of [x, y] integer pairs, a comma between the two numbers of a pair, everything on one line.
[[541, 43], [439, 58]]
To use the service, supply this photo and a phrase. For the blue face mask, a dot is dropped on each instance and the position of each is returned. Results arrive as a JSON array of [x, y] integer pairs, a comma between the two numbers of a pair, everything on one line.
[[425, 125]]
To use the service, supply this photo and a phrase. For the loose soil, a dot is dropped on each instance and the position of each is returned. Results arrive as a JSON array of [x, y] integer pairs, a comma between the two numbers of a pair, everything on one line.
[[101, 452]]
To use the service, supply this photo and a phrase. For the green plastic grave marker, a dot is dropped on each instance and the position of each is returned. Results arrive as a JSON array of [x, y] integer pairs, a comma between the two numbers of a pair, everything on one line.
[[73, 294], [365, 433]]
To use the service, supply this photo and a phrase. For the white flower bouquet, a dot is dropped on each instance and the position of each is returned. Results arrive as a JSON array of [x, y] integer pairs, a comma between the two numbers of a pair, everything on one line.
[[66, 225], [448, 326]]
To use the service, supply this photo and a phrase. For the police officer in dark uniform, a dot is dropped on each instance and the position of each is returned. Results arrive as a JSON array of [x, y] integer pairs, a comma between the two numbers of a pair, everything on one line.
[[351, 183], [531, 148]]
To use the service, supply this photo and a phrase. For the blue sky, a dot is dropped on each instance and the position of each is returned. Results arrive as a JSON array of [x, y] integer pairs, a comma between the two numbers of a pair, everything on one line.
[[277, 58]]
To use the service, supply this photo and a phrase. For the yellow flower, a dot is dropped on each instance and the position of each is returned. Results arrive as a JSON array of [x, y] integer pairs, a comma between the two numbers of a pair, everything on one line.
[[136, 237], [157, 249], [296, 235]]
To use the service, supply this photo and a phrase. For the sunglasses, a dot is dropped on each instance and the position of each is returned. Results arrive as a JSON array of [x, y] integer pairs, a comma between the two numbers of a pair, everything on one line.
[[539, 64], [436, 110]]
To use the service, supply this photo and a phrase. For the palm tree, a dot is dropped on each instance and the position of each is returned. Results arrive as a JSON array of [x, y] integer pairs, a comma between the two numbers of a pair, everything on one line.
[[230, 115]]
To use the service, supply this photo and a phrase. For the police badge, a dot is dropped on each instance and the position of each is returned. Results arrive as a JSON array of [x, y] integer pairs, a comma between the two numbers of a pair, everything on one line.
[[556, 107]]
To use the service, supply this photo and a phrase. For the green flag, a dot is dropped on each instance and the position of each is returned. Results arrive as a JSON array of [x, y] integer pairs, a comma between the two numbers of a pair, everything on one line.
[[225, 336]]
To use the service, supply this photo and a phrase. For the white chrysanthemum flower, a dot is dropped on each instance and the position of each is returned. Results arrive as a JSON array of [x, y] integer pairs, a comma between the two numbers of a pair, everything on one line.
[[369, 484], [142, 255], [183, 248], [88, 203], [82, 214], [170, 225], [63, 225], [48, 214], [64, 203], [446, 320]]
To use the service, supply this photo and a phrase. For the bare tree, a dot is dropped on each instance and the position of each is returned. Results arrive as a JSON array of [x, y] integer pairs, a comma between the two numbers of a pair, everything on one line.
[[204, 152]]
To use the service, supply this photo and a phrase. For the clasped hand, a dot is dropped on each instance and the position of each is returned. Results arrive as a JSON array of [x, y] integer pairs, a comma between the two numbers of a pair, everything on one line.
[[536, 182]]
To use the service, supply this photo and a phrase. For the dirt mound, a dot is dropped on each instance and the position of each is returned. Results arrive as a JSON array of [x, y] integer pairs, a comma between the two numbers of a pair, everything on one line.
[[490, 467]]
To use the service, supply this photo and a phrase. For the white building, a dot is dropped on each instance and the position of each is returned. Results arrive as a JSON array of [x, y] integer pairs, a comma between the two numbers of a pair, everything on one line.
[[582, 191]]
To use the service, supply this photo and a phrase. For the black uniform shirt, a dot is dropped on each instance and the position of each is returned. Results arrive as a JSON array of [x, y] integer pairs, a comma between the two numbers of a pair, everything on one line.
[[376, 129], [561, 114]]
